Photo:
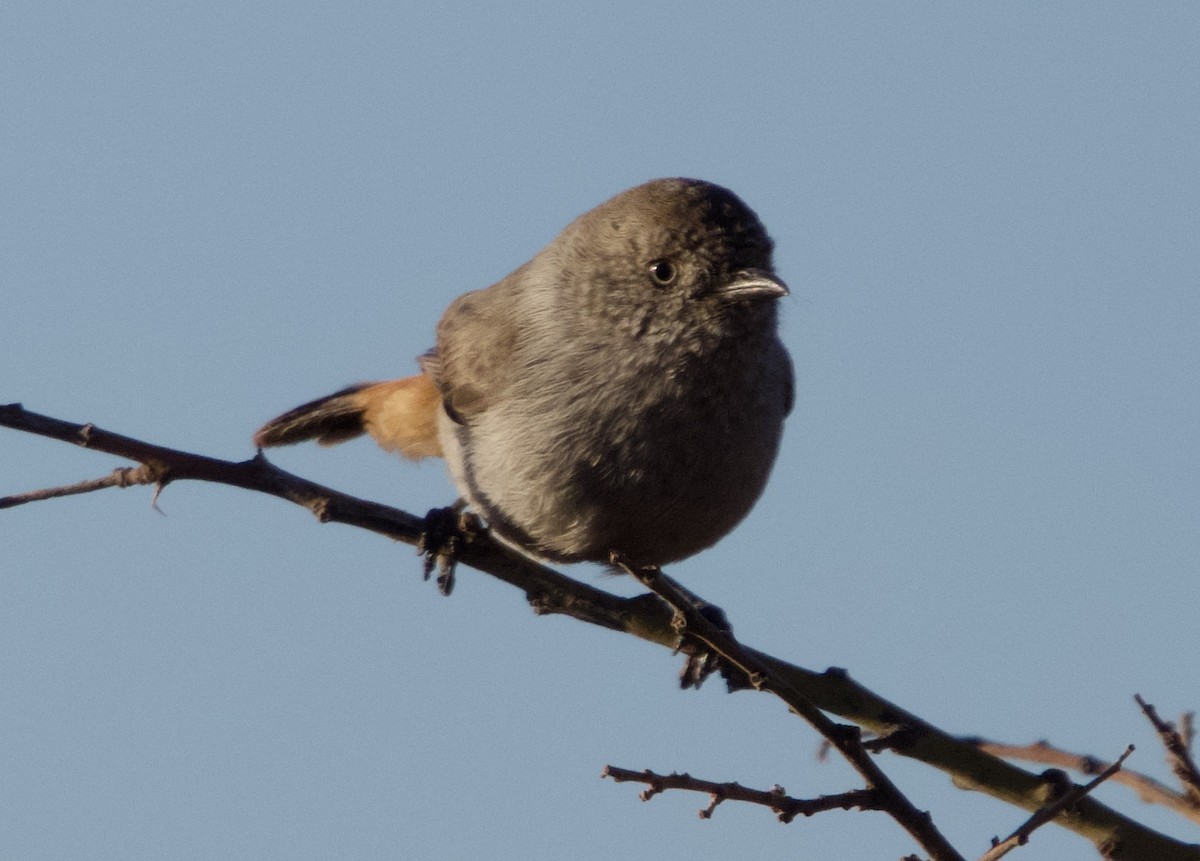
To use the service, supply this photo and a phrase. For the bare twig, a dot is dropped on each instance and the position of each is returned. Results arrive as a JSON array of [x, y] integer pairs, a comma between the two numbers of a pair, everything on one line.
[[1052, 809], [125, 476], [1148, 789], [644, 616], [785, 806], [1179, 755]]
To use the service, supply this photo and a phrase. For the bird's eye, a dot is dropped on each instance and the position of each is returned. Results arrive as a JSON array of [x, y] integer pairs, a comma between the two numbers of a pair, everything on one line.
[[663, 272]]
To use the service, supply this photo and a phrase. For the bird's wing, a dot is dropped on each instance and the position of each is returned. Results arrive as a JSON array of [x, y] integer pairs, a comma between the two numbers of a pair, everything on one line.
[[478, 342]]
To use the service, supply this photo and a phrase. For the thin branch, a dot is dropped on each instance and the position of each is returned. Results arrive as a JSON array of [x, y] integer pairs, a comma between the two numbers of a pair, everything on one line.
[[1148, 789], [546, 589], [1052, 809], [124, 476], [1178, 747], [785, 806], [643, 616]]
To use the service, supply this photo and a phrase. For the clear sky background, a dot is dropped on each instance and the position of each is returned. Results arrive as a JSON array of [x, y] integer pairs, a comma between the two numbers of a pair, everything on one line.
[[986, 507]]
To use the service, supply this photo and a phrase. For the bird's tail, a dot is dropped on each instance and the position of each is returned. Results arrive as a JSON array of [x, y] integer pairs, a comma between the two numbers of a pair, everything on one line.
[[401, 415]]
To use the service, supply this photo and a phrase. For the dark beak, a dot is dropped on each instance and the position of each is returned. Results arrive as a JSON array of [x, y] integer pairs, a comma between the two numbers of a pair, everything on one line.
[[752, 284]]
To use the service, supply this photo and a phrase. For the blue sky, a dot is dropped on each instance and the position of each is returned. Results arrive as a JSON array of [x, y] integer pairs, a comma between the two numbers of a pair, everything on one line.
[[986, 506]]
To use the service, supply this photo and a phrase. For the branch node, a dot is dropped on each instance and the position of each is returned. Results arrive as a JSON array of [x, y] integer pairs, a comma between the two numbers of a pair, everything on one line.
[[898, 738], [655, 785], [322, 509], [1058, 803], [1055, 784], [707, 812]]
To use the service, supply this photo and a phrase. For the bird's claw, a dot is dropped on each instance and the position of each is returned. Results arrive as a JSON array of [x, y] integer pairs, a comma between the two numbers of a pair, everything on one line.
[[701, 662], [446, 530]]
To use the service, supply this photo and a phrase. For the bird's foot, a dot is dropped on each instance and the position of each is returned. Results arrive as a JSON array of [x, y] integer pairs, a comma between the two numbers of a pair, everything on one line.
[[446, 530], [701, 661]]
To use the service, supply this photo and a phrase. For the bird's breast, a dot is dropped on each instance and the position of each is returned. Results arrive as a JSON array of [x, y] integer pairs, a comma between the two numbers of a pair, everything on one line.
[[653, 459]]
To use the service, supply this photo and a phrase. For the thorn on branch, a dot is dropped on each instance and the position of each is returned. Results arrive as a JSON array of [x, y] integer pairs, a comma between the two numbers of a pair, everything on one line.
[[159, 487]]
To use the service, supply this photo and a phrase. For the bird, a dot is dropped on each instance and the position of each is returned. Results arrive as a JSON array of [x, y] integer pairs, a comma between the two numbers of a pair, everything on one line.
[[620, 395]]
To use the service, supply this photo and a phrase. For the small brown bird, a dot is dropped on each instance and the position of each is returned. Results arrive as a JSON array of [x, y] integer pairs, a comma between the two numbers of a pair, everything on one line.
[[622, 392]]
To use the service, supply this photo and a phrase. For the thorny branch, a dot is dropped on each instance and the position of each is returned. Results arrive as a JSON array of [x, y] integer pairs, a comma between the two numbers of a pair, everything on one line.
[[761, 676], [785, 806], [645, 616], [1179, 754]]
